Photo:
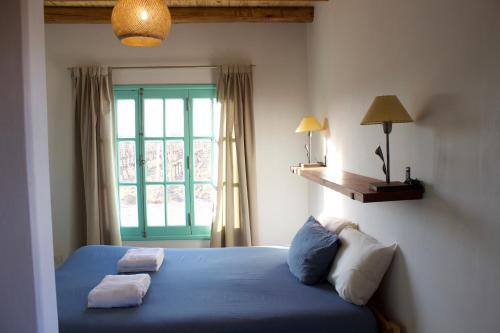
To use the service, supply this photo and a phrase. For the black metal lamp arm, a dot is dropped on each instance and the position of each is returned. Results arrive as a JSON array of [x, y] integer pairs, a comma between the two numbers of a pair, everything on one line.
[[387, 126]]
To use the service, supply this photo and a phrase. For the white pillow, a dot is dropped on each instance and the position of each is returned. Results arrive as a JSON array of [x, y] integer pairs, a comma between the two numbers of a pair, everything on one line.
[[335, 224], [359, 266]]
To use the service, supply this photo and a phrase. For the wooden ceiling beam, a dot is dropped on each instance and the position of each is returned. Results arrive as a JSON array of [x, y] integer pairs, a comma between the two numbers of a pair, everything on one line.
[[188, 3], [189, 14]]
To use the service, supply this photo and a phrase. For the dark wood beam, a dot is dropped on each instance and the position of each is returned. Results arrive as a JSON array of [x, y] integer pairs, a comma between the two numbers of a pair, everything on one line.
[[189, 3], [188, 14]]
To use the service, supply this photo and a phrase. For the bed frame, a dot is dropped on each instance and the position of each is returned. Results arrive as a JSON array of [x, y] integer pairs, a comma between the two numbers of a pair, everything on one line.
[[385, 325]]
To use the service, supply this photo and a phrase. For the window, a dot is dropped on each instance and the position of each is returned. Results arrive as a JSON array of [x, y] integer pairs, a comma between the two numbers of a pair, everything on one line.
[[165, 151]]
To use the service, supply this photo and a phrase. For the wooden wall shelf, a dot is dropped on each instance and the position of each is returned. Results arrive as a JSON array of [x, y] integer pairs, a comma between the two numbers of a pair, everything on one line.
[[354, 186]]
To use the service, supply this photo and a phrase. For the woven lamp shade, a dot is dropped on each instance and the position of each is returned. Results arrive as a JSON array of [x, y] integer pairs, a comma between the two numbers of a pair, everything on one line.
[[141, 22]]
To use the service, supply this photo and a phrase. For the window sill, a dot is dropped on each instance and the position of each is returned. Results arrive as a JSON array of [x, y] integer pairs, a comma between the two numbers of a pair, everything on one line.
[[166, 237]]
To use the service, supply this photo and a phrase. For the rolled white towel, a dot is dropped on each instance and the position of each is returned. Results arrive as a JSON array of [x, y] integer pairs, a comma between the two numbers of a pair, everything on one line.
[[141, 260], [116, 291]]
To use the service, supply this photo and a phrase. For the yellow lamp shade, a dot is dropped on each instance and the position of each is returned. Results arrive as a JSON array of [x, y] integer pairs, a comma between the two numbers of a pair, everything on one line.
[[386, 109], [309, 124], [141, 22]]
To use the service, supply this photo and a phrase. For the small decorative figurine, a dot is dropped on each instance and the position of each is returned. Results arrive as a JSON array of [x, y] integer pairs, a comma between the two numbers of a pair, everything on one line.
[[408, 175], [413, 182]]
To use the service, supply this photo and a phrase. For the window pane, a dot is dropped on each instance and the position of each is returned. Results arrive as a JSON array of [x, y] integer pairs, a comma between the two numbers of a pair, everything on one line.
[[125, 113], [202, 160], [176, 205], [126, 155], [128, 206], [204, 197], [153, 118], [235, 164], [215, 161], [175, 160], [202, 117], [236, 198], [155, 205], [154, 160], [174, 117], [216, 118]]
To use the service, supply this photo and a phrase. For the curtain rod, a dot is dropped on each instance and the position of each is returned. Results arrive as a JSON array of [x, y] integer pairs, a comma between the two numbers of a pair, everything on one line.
[[167, 67]]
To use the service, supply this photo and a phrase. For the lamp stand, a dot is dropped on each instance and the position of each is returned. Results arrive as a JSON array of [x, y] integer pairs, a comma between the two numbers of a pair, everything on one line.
[[387, 126], [308, 147], [388, 186], [309, 151]]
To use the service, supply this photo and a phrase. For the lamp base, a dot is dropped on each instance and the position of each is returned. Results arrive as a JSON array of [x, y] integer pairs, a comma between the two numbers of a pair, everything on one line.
[[312, 165], [392, 187]]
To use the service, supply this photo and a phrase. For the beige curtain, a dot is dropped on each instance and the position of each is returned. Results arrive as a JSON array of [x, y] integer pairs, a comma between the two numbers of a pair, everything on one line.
[[236, 192], [93, 102]]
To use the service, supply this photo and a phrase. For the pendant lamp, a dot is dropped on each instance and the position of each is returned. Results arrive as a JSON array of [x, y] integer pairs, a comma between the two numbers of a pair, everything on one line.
[[141, 22]]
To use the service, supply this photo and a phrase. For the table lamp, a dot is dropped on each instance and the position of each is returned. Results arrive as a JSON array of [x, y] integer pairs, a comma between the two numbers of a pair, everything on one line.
[[309, 124], [386, 110]]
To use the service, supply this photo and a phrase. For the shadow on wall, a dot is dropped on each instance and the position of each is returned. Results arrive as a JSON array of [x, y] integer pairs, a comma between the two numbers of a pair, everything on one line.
[[454, 126], [455, 186], [398, 279], [438, 109], [327, 132], [326, 136], [396, 295]]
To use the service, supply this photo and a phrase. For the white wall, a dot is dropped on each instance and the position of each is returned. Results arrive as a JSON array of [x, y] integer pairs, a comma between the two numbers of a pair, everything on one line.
[[280, 96], [439, 57], [27, 288], [442, 59]]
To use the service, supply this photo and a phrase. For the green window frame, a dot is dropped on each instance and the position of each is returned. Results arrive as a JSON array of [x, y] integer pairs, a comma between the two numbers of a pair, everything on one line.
[[137, 187]]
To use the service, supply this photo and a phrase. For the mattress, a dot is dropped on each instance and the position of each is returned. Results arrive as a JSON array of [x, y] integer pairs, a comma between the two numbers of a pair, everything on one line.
[[230, 290]]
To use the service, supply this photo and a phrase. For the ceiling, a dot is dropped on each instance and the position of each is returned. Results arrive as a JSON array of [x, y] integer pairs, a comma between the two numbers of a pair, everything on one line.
[[189, 11]]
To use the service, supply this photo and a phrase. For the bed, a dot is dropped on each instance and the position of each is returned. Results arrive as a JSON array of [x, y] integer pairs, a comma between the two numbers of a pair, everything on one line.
[[230, 290]]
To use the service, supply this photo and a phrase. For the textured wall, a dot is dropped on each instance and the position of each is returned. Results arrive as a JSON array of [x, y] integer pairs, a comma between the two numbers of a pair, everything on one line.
[[442, 59], [27, 287], [280, 97]]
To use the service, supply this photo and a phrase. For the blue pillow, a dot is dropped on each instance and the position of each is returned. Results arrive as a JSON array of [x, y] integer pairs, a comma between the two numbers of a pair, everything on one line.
[[312, 252]]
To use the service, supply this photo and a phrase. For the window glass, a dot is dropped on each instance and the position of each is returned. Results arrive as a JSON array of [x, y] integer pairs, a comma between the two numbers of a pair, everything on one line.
[[154, 160], [202, 160], [126, 161], [153, 118], [216, 118], [202, 117], [204, 198], [155, 205], [125, 113], [174, 117], [176, 205], [175, 160], [128, 206]]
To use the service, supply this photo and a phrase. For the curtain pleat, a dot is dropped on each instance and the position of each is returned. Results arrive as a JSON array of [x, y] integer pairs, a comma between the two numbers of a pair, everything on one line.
[[93, 105], [236, 190]]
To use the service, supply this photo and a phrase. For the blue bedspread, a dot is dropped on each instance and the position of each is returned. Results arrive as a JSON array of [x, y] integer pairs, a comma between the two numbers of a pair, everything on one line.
[[232, 290]]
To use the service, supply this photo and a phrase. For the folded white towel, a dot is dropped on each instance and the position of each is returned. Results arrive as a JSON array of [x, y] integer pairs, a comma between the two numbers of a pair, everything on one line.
[[141, 260], [116, 291]]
